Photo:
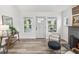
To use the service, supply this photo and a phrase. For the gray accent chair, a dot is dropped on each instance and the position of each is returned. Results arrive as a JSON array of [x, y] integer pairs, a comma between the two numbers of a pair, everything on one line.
[[54, 42]]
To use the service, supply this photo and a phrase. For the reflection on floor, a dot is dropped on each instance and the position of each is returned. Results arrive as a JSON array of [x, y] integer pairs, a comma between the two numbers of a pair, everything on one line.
[[30, 46]]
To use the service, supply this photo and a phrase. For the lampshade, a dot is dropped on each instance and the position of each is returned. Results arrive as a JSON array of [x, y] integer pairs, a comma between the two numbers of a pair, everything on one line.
[[4, 27]]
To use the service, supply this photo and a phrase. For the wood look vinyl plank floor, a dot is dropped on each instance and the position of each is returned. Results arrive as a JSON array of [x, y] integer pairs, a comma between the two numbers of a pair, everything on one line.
[[30, 46]]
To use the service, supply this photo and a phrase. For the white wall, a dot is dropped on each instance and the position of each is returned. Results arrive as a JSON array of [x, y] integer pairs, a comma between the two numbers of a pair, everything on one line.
[[10, 11], [32, 34], [66, 13]]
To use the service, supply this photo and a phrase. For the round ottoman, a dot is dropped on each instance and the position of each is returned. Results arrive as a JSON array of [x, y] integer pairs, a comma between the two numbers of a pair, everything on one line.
[[54, 45]]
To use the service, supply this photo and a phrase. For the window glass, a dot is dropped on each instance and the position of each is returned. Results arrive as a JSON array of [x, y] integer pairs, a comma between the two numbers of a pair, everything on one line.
[[27, 24], [52, 24]]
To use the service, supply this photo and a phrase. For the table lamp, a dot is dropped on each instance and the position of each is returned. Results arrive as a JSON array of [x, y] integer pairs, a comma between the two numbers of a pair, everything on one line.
[[3, 28]]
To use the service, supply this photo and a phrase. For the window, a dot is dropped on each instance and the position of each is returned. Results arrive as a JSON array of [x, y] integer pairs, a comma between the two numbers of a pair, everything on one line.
[[52, 24], [27, 24]]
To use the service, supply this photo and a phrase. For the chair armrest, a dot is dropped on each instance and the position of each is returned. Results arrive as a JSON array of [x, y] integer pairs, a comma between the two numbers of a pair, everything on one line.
[[75, 50]]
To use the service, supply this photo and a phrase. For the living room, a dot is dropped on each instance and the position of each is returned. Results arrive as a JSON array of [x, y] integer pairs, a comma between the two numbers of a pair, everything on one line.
[[35, 26]]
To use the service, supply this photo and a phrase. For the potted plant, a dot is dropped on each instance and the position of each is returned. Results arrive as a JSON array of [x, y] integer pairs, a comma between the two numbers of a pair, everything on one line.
[[12, 30]]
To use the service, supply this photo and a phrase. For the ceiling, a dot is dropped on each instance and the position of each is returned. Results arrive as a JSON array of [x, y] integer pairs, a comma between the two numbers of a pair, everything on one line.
[[42, 8]]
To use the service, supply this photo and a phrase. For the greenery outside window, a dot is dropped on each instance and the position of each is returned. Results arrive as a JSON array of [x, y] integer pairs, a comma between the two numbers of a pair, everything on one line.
[[52, 24], [27, 24]]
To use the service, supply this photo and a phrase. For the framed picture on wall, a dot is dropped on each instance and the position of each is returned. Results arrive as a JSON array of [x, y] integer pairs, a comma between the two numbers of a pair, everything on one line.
[[75, 21], [65, 21], [6, 20]]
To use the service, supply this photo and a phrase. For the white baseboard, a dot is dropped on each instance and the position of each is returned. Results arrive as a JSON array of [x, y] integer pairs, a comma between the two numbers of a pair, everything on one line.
[[26, 38]]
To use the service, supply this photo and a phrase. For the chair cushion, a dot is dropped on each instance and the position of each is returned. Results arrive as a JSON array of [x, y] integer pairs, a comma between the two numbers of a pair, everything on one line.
[[54, 45]]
